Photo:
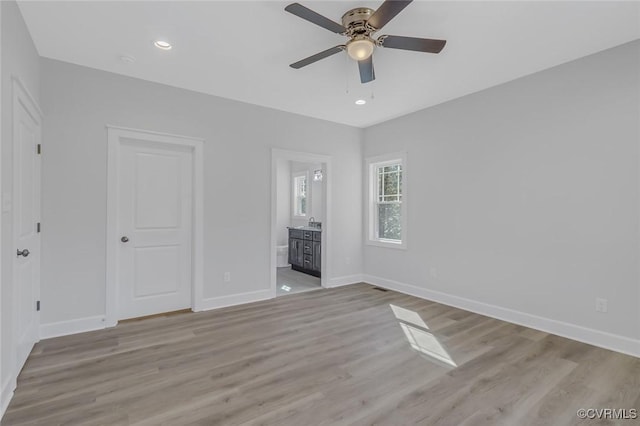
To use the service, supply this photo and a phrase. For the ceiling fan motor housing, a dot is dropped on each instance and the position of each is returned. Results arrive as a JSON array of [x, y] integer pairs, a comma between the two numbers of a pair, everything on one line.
[[355, 21]]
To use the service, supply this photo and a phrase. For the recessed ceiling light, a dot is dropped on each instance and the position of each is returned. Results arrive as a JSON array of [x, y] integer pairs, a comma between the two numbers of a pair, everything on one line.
[[161, 44], [361, 102]]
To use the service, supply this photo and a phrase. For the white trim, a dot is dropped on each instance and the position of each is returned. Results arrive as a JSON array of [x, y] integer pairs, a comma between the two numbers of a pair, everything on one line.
[[8, 388], [304, 157], [114, 136], [590, 336], [5, 397], [65, 328], [236, 299], [370, 195], [386, 244], [345, 280], [153, 132]]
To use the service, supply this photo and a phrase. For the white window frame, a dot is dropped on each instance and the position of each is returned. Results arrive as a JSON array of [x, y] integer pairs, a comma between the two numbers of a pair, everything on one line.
[[371, 166], [294, 194]]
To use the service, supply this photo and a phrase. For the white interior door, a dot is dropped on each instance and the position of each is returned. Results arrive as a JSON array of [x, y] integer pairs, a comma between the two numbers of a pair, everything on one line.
[[26, 215], [155, 222]]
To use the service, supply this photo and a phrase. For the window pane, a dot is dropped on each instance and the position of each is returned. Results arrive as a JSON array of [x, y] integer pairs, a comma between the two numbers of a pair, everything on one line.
[[389, 224], [300, 194], [391, 182]]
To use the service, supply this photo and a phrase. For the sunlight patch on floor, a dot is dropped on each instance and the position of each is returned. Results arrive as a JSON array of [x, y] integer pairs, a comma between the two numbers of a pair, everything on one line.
[[418, 336]]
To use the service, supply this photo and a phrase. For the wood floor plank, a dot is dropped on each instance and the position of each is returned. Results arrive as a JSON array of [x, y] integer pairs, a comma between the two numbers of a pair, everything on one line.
[[352, 355]]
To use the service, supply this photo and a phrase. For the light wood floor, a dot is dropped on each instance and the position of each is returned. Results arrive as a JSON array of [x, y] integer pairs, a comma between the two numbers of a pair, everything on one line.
[[353, 355]]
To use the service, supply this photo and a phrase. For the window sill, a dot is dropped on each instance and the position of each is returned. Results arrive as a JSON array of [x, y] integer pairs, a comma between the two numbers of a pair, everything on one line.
[[387, 244]]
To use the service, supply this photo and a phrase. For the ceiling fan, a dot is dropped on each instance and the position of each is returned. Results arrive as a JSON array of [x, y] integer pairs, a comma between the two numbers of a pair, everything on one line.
[[359, 24]]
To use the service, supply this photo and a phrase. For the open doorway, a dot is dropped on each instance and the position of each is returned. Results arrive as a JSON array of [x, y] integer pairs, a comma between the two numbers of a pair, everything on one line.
[[299, 222]]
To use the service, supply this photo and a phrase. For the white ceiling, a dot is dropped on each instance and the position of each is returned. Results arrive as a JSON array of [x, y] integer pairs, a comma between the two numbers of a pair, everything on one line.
[[241, 50]]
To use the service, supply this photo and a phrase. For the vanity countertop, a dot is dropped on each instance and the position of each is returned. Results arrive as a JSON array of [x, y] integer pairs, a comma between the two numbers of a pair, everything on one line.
[[305, 228]]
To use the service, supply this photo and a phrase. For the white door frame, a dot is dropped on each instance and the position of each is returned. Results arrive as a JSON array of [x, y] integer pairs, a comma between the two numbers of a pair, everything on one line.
[[21, 96], [303, 157], [115, 135], [2, 343]]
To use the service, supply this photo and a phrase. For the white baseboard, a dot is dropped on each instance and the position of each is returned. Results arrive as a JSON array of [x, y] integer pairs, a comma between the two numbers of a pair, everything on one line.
[[235, 299], [65, 328], [602, 339], [81, 325], [7, 393], [344, 280]]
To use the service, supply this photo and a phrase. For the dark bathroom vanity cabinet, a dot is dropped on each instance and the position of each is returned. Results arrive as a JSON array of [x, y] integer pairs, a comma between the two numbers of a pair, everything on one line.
[[305, 249]]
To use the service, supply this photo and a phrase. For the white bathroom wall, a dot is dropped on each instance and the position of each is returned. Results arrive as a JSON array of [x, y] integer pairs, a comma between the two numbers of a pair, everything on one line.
[[523, 200], [315, 194], [78, 102], [317, 201]]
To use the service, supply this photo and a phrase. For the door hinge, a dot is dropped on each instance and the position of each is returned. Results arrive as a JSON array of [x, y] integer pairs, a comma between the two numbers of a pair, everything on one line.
[[38, 305], [38, 227], [39, 149]]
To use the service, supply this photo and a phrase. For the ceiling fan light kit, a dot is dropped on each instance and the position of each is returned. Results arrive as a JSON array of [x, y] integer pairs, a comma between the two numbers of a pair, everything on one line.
[[360, 48], [358, 25]]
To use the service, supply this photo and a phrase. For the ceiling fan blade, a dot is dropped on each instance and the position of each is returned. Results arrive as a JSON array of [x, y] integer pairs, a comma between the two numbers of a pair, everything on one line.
[[412, 43], [386, 12], [367, 73], [317, 57], [314, 17]]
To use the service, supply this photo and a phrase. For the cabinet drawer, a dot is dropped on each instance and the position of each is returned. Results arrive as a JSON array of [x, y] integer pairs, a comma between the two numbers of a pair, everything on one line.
[[307, 235], [295, 233], [307, 247], [308, 261], [317, 236]]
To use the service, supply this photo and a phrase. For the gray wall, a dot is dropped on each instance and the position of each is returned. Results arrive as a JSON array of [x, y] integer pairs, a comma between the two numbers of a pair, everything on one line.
[[78, 102], [19, 58], [525, 195]]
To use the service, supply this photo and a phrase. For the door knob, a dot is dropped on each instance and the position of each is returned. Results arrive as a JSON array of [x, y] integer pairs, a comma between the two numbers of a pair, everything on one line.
[[24, 252], [124, 239]]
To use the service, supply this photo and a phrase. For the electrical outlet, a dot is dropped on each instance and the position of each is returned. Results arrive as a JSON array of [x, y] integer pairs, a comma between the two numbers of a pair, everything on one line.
[[347, 261], [601, 305], [227, 277]]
